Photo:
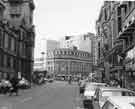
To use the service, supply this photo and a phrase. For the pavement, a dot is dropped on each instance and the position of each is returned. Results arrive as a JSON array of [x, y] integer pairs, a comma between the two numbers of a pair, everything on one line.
[[56, 95]]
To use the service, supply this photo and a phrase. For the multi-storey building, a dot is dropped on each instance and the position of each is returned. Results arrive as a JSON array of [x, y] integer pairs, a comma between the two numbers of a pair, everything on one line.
[[16, 38], [69, 62], [118, 55], [107, 31], [81, 42], [85, 42]]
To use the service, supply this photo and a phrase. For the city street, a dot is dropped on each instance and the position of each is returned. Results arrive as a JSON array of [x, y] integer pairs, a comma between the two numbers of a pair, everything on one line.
[[57, 95]]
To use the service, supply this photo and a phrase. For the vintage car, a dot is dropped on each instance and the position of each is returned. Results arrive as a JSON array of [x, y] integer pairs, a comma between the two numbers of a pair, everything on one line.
[[89, 92], [123, 102], [102, 93], [24, 84]]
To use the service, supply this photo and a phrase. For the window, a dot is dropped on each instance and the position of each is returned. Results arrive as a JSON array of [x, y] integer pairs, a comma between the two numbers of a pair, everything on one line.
[[125, 10], [105, 14], [8, 61], [9, 45], [130, 4], [1, 37], [2, 60], [6, 40], [5, 60], [11, 62]]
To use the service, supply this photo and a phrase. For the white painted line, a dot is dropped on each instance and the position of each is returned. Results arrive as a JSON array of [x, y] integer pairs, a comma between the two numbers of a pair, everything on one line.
[[26, 99]]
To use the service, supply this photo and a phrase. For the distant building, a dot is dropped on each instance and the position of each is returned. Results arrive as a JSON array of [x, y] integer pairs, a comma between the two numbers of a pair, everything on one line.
[[39, 64], [85, 42], [52, 44], [81, 42], [69, 62]]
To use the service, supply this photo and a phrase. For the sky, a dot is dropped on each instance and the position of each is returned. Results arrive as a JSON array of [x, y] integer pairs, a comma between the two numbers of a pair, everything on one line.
[[54, 19]]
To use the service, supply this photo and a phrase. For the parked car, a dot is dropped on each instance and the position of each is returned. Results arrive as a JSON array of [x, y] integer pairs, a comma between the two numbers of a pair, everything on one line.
[[89, 91], [24, 84], [102, 93], [5, 86], [50, 80], [82, 84], [120, 103]]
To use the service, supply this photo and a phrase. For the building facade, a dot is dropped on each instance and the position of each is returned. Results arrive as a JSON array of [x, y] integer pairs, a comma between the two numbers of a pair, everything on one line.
[[16, 39], [39, 64], [69, 62], [83, 42], [117, 53]]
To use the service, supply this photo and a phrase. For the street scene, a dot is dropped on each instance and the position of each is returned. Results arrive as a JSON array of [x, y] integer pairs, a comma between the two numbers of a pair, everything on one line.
[[56, 95], [67, 54]]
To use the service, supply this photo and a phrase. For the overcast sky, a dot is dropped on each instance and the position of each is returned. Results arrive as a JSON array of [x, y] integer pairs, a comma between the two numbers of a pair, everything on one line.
[[56, 18]]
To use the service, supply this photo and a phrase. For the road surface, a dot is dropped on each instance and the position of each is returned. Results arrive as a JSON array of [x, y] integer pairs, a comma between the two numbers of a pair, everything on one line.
[[56, 95]]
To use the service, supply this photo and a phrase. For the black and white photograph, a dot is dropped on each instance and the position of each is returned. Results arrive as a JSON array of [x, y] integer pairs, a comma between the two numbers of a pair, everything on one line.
[[67, 54]]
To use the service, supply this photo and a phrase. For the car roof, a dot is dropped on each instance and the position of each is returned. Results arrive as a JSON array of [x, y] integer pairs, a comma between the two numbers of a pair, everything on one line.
[[113, 88], [125, 102], [94, 83]]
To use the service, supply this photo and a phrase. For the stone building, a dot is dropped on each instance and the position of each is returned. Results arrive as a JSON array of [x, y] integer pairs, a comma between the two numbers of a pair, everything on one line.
[[116, 29], [84, 42], [16, 38], [69, 62]]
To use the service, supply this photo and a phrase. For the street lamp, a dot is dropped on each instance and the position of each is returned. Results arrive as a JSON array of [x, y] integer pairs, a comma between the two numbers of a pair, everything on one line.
[[43, 53]]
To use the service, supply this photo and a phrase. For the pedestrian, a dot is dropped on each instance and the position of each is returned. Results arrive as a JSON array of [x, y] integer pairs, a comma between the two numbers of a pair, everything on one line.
[[14, 81]]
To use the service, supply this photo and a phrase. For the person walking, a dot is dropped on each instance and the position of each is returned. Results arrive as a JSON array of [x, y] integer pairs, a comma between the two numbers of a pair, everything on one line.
[[14, 81]]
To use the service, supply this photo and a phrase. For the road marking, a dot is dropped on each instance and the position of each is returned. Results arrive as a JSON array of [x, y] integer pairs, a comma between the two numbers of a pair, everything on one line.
[[26, 99]]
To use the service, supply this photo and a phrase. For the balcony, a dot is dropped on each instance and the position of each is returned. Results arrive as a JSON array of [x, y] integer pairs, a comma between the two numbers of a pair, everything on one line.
[[128, 28]]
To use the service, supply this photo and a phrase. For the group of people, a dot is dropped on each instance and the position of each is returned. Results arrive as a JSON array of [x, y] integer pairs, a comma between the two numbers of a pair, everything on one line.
[[9, 86]]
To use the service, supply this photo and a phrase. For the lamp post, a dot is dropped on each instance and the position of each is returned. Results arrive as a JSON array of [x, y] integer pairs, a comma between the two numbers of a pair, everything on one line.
[[43, 53]]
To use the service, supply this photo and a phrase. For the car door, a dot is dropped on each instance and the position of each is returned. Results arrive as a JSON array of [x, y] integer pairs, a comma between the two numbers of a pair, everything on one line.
[[95, 100]]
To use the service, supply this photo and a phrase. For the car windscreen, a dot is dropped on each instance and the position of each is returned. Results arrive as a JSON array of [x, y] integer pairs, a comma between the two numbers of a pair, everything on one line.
[[93, 87], [117, 93]]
